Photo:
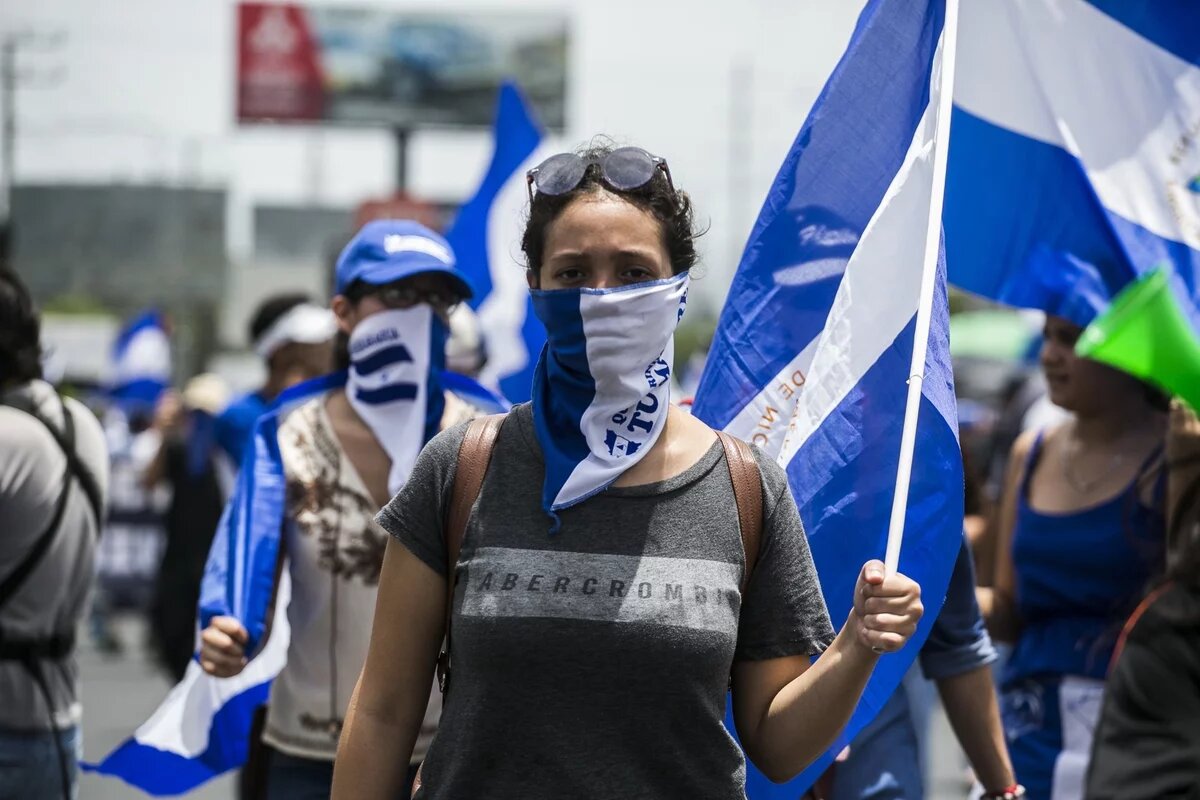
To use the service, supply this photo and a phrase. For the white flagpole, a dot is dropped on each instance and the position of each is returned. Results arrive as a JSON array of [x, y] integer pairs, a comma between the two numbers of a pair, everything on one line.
[[941, 148]]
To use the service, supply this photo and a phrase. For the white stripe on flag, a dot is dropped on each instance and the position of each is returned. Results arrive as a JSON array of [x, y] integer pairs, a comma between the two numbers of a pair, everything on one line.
[[182, 723], [764, 420], [1062, 62], [880, 290]]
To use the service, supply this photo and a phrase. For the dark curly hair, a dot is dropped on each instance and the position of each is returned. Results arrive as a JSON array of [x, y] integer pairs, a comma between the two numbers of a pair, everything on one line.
[[270, 311], [20, 332], [672, 209]]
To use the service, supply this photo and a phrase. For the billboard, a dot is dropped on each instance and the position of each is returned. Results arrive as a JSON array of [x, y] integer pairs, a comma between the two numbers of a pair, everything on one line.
[[358, 66]]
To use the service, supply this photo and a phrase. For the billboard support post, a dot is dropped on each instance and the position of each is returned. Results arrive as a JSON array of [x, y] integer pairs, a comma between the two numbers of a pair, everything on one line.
[[401, 135]]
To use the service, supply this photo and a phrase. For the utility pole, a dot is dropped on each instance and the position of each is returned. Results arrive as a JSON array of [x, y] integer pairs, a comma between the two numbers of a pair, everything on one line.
[[11, 77]]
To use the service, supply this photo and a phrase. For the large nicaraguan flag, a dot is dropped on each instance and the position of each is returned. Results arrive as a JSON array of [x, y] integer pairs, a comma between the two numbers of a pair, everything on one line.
[[1077, 130], [812, 354], [486, 238]]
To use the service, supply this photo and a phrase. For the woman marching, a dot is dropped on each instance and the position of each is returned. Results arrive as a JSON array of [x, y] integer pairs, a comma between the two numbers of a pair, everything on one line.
[[341, 454], [603, 597], [1081, 534]]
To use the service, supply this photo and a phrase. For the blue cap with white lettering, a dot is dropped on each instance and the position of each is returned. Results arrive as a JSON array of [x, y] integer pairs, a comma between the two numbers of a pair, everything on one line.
[[387, 250]]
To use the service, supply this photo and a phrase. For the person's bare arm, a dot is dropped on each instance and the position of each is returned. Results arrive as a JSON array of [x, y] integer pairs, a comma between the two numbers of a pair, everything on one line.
[[388, 703], [997, 603], [788, 712], [982, 539], [974, 714]]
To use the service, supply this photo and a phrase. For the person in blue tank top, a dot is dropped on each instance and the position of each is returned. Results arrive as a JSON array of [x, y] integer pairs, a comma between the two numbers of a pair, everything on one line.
[[1081, 535]]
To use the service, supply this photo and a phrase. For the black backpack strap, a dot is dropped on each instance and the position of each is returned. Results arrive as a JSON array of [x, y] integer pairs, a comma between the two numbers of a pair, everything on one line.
[[66, 442], [74, 467]]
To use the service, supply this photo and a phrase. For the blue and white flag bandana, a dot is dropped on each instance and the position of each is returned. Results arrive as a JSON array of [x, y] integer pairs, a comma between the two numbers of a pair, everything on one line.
[[396, 360], [603, 384]]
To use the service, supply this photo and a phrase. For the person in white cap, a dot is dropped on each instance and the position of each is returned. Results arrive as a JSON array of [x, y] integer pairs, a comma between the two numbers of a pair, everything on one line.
[[292, 336]]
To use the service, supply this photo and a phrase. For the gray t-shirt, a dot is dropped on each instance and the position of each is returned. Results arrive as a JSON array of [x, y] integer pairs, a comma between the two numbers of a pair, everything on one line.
[[594, 662], [55, 595]]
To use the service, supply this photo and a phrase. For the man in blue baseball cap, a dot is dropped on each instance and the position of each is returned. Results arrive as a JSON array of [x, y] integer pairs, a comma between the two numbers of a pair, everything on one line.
[[386, 252], [344, 452]]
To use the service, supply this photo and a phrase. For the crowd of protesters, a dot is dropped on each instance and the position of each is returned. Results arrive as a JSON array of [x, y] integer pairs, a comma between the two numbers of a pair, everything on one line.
[[1091, 546]]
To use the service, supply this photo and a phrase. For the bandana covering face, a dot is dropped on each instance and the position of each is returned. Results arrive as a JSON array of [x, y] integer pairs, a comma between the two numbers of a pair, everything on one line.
[[602, 386], [394, 383]]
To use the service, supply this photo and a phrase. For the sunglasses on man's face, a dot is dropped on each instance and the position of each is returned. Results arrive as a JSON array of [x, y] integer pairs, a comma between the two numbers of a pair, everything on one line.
[[406, 295], [624, 169]]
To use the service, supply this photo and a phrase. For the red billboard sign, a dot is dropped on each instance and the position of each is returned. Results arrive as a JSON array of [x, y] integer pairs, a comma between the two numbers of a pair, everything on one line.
[[386, 67], [279, 69]]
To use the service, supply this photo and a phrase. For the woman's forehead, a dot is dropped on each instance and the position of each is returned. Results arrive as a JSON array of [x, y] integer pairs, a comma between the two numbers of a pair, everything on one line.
[[603, 219]]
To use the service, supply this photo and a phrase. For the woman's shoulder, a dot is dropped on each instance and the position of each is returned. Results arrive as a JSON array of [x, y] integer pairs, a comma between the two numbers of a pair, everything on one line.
[[774, 479], [1033, 438], [1026, 444]]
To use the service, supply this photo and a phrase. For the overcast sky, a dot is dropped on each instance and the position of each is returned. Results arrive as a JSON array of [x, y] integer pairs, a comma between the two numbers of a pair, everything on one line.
[[143, 91]]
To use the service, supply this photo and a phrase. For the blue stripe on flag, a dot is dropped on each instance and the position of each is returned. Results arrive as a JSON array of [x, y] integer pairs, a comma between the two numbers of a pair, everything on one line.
[[396, 354], [855, 136], [163, 773], [1005, 193], [388, 394]]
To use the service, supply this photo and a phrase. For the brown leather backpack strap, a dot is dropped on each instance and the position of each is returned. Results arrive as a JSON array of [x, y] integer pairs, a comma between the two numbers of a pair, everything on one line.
[[474, 455], [748, 494]]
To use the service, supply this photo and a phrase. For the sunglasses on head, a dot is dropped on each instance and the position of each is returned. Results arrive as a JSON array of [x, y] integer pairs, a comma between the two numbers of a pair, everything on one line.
[[624, 169]]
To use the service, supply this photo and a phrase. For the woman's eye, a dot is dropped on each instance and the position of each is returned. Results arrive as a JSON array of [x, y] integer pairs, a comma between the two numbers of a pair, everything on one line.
[[638, 274], [569, 274]]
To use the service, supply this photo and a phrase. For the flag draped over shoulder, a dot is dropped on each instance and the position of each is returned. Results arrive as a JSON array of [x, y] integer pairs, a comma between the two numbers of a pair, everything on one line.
[[1076, 130], [812, 353], [486, 237], [202, 728]]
